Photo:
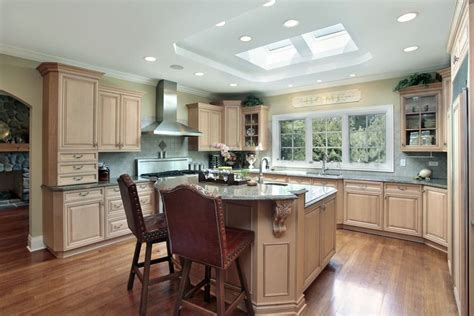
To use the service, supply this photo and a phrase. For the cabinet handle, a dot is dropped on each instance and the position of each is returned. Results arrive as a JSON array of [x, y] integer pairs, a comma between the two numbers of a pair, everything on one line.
[[77, 156], [77, 178], [402, 188], [403, 145], [95, 145], [116, 190], [455, 59], [78, 167], [84, 193]]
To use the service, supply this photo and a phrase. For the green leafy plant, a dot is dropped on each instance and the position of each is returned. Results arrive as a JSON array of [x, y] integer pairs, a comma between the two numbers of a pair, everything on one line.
[[252, 100], [416, 79]]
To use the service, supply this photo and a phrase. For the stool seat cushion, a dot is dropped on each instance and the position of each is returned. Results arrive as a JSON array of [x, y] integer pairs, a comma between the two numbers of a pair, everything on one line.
[[155, 227], [236, 241]]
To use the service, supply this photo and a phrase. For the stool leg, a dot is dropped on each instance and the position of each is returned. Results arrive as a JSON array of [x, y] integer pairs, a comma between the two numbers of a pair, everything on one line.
[[182, 285], [207, 287], [220, 293], [146, 279], [245, 288], [170, 257], [136, 256]]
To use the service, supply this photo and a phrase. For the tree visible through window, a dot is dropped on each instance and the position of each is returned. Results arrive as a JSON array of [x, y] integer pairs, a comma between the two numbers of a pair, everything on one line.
[[367, 138], [292, 140], [327, 138]]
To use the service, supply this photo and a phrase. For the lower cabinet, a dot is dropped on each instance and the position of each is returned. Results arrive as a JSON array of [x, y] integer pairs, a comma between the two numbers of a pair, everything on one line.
[[435, 215], [403, 209], [77, 218], [319, 238], [84, 222], [363, 204]]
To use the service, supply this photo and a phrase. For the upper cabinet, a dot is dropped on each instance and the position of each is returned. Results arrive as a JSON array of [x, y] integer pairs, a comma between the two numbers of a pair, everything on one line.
[[232, 123], [70, 111], [255, 128], [119, 120], [422, 118], [460, 44], [207, 119]]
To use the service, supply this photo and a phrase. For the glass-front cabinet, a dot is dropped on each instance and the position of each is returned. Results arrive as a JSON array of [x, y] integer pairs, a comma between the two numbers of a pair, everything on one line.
[[255, 127], [421, 110]]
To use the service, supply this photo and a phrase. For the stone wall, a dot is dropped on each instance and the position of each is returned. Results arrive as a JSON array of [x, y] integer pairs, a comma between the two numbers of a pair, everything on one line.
[[10, 162], [17, 116]]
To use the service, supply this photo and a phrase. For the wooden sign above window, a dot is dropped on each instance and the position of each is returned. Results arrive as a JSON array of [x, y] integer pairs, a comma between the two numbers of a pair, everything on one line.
[[336, 97]]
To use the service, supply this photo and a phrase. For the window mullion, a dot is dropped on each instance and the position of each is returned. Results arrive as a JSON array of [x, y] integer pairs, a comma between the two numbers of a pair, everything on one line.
[[345, 139], [309, 140]]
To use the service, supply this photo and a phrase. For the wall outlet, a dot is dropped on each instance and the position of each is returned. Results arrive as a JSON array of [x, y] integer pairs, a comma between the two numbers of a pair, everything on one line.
[[433, 164], [403, 162]]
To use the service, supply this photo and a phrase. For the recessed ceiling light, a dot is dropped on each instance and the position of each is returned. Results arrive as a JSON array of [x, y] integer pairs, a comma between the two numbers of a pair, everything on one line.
[[352, 75], [150, 58], [407, 17], [269, 3], [245, 38], [291, 23], [233, 85], [290, 86], [177, 67], [319, 81], [222, 23], [410, 49], [199, 74]]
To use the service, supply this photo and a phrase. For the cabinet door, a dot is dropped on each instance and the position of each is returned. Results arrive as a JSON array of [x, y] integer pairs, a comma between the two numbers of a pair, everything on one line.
[[311, 244], [84, 223], [435, 215], [204, 118], [78, 113], [328, 231], [131, 129], [109, 121], [215, 128], [363, 209], [403, 214], [232, 126]]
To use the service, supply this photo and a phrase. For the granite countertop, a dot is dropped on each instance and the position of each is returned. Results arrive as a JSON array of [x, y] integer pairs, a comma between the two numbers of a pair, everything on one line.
[[100, 184], [266, 191], [439, 183]]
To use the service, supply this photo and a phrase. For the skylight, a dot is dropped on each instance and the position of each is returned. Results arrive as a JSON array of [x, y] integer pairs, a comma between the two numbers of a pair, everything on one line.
[[326, 42]]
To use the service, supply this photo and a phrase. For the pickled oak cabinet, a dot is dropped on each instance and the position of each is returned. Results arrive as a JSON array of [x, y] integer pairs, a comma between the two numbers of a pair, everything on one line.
[[207, 119]]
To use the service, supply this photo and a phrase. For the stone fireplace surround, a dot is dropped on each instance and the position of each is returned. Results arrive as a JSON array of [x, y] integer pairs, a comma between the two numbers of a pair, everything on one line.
[[14, 180]]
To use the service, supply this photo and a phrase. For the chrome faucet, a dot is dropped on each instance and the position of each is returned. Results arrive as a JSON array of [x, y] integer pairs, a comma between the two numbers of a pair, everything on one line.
[[324, 163], [260, 174]]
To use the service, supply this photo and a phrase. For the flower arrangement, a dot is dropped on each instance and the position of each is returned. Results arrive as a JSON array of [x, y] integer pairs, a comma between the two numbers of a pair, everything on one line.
[[224, 149]]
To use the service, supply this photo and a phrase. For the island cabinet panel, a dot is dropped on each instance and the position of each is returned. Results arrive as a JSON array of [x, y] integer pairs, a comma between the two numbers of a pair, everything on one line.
[[84, 223], [435, 215], [328, 231], [275, 178], [299, 180], [207, 119], [119, 120], [363, 204], [312, 266], [403, 209]]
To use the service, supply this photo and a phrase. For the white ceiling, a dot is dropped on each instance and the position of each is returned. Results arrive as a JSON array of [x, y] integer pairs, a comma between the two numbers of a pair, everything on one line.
[[115, 35]]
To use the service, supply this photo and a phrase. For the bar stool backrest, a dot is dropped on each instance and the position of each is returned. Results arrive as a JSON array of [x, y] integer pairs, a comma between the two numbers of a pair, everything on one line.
[[196, 225], [131, 204]]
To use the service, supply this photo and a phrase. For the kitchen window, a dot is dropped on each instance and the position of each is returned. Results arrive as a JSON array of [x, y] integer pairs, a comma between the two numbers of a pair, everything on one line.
[[351, 139]]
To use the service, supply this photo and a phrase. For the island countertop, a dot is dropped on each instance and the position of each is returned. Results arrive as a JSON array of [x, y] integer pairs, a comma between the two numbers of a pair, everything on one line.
[[265, 191]]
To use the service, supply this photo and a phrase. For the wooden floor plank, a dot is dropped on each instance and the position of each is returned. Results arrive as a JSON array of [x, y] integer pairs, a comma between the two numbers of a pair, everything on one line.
[[369, 275]]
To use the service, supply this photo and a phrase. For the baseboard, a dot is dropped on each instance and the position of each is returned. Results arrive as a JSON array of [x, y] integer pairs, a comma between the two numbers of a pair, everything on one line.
[[35, 243]]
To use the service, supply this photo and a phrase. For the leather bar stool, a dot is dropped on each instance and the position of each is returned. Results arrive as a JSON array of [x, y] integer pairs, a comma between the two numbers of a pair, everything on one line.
[[198, 234], [150, 229]]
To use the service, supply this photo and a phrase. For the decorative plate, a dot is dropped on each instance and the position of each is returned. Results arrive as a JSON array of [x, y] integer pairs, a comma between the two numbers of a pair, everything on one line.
[[250, 131]]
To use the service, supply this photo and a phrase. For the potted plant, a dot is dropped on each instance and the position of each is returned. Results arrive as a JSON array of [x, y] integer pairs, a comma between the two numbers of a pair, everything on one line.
[[417, 79], [252, 100]]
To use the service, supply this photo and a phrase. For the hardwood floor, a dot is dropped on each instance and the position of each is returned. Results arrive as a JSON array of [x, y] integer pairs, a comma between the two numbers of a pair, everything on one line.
[[369, 275]]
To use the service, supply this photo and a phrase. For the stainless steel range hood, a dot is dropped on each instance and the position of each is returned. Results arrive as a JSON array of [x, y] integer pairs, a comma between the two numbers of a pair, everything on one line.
[[166, 113]]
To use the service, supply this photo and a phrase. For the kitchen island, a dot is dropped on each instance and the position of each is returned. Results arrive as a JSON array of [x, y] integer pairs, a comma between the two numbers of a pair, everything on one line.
[[295, 230]]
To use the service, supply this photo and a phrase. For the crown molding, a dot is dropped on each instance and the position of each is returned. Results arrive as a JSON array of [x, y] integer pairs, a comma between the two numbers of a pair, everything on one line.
[[350, 81], [42, 57]]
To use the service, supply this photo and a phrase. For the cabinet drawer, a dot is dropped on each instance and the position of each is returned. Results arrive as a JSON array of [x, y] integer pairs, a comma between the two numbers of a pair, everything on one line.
[[403, 188], [115, 208], [325, 182], [77, 179], [363, 186], [112, 191], [146, 200], [77, 156], [145, 186], [117, 227], [91, 194], [75, 168], [275, 177], [299, 180]]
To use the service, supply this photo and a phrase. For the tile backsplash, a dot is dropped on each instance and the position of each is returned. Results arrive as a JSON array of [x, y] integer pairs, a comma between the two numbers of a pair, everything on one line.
[[120, 163]]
